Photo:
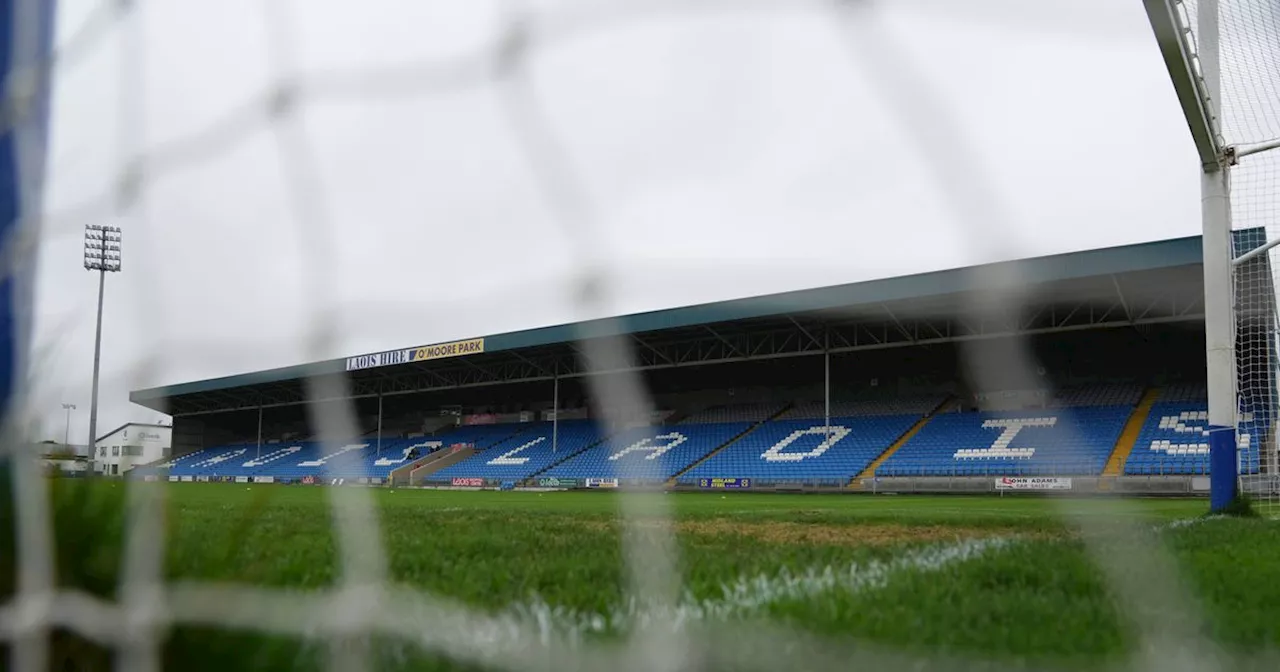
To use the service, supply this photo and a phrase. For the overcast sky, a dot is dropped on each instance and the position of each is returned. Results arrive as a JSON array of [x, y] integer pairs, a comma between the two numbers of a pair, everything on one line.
[[724, 154]]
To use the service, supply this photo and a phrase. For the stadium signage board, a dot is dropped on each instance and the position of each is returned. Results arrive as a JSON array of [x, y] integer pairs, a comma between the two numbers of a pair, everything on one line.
[[1033, 483], [468, 482], [553, 482], [722, 483], [602, 482], [420, 354]]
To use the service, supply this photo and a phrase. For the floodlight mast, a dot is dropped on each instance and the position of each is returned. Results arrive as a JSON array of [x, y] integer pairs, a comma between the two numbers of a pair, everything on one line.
[[66, 431], [101, 254]]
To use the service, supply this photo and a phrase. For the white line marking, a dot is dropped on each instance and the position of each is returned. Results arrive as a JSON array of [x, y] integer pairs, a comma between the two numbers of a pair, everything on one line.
[[1187, 522], [748, 596]]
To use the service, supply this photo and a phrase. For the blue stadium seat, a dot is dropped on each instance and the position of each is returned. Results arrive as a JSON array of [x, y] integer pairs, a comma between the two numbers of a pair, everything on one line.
[[805, 451], [732, 413], [1016, 443], [525, 454], [1174, 439], [648, 454], [355, 459], [223, 460]]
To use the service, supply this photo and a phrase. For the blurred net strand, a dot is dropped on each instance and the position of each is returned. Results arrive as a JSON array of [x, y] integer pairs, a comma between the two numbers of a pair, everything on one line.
[[466, 635], [293, 90], [142, 568], [972, 196], [1249, 43], [35, 590], [362, 567], [355, 607], [649, 546]]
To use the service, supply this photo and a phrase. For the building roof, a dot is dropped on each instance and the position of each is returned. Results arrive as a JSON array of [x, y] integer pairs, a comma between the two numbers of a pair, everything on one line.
[[917, 289], [127, 425]]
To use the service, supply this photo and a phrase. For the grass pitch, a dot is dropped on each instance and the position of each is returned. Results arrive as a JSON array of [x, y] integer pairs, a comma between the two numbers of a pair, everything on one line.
[[1003, 581]]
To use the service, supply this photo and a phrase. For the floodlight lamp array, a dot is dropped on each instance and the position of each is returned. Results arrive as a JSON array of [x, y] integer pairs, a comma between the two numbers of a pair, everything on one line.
[[102, 248]]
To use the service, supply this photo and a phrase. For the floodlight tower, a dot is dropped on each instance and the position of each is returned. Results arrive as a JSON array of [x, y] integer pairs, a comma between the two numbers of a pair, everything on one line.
[[66, 431], [101, 254]]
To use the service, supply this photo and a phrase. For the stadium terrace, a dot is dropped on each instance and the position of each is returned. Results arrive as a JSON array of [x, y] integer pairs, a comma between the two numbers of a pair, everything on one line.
[[903, 384]]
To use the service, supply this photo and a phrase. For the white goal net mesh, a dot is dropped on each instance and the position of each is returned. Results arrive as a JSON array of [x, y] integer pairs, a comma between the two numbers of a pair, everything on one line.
[[262, 166], [1248, 42]]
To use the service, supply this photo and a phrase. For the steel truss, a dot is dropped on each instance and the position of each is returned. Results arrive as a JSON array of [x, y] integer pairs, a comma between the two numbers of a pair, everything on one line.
[[881, 326]]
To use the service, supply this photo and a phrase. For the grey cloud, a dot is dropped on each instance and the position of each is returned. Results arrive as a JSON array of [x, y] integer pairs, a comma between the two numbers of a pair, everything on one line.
[[726, 154]]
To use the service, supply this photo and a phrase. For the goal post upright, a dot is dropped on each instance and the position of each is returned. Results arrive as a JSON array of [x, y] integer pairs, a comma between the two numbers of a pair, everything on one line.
[[1193, 62], [1215, 211], [1216, 223]]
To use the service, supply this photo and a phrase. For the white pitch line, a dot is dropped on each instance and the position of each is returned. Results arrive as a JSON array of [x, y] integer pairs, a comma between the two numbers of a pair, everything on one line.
[[1187, 522], [750, 596], [556, 636]]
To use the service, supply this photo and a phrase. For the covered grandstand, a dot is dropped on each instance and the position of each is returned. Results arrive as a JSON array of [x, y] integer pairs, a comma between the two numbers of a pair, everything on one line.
[[858, 386]]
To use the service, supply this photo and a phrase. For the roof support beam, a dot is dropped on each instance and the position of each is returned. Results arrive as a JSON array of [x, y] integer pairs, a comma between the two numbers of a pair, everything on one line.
[[724, 340], [898, 323], [800, 350], [804, 331], [522, 358], [644, 344], [1115, 282]]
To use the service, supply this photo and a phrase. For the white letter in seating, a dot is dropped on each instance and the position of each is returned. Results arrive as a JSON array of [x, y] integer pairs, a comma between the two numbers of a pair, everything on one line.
[[506, 458], [655, 450], [832, 435], [999, 449]]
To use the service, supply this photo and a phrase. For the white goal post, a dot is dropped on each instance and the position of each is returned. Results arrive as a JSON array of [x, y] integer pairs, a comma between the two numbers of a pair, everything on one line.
[[1218, 92]]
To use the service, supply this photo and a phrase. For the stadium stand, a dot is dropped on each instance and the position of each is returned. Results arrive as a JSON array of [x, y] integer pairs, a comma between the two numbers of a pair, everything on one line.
[[1185, 393], [1074, 438], [1174, 440], [799, 449], [1106, 394], [776, 444], [202, 462], [650, 454], [731, 413], [353, 460], [741, 378], [517, 458], [288, 462], [804, 451], [480, 436], [1115, 394], [860, 408]]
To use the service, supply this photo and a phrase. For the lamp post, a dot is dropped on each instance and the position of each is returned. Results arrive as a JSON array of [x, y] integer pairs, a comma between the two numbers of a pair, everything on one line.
[[66, 432], [101, 254]]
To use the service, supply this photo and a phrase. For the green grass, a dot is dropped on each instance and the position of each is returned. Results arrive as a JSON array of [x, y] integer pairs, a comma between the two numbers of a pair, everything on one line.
[[1039, 599]]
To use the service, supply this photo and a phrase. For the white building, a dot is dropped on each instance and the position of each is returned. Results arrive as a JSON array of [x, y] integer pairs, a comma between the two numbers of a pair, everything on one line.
[[130, 445], [67, 465]]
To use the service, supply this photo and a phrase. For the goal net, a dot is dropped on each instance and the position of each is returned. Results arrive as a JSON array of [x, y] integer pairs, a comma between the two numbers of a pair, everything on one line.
[[1247, 36], [294, 170]]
